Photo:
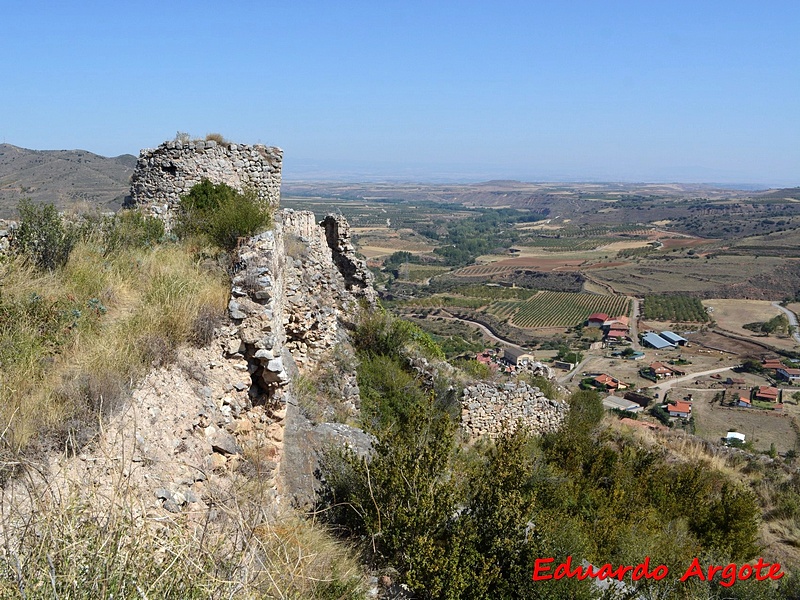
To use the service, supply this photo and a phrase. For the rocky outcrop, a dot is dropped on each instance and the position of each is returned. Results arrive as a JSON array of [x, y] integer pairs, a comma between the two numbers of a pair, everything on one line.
[[490, 409], [166, 173]]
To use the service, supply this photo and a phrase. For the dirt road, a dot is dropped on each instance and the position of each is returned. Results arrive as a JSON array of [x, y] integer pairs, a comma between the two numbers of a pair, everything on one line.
[[792, 320], [666, 384]]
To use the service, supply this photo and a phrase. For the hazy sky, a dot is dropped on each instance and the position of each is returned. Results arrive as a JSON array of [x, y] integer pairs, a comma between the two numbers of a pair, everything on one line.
[[602, 90]]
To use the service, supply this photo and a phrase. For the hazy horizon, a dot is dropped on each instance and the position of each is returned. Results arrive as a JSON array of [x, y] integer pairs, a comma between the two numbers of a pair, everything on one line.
[[618, 91]]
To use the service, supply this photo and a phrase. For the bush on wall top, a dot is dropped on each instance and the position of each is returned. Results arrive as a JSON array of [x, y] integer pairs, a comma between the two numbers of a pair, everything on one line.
[[222, 214]]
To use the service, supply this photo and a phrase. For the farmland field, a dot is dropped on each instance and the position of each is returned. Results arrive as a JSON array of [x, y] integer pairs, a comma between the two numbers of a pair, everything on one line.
[[558, 309], [730, 315], [674, 308]]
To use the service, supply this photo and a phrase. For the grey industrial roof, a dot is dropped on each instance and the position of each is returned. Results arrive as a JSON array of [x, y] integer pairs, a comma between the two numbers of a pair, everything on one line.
[[673, 337], [656, 341]]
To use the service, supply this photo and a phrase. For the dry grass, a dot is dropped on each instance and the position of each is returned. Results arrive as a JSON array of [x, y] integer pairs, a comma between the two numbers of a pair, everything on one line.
[[74, 543], [94, 327]]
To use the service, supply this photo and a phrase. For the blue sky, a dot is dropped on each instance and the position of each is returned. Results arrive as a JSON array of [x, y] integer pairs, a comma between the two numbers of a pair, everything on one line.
[[555, 90]]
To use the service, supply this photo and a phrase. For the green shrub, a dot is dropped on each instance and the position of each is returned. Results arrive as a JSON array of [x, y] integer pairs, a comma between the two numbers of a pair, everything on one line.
[[381, 333], [42, 237], [222, 214]]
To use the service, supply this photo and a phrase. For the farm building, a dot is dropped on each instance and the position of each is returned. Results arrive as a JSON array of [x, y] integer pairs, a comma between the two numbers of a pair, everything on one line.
[[617, 334], [787, 374], [596, 319], [767, 393], [635, 355], [656, 341], [615, 402], [611, 383], [517, 356], [680, 409], [674, 338], [744, 402], [642, 400], [621, 322], [772, 364]]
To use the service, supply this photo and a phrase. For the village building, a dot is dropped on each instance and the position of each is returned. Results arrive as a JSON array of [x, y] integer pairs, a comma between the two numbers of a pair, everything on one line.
[[615, 402], [744, 401], [517, 356], [621, 322], [766, 393], [680, 409], [659, 370], [772, 364], [609, 382], [787, 374], [487, 358], [596, 319]]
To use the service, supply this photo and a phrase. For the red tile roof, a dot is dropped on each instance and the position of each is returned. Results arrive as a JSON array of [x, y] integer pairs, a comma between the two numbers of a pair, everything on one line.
[[680, 406], [767, 392], [598, 317]]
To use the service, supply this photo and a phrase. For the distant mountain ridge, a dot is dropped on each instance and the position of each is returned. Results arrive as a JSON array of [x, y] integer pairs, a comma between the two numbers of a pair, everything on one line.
[[67, 178]]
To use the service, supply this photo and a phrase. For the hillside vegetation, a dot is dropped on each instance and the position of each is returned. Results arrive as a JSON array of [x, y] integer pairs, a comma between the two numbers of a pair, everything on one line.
[[460, 521]]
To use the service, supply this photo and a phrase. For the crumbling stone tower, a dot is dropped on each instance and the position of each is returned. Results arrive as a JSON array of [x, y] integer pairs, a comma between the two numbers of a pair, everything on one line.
[[166, 173]]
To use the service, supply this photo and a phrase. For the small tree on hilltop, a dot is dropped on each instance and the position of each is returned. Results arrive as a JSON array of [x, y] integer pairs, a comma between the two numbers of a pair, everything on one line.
[[42, 237]]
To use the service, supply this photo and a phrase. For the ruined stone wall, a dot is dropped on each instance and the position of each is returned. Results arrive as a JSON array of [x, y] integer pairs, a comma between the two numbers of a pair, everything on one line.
[[490, 409], [5, 232], [166, 173]]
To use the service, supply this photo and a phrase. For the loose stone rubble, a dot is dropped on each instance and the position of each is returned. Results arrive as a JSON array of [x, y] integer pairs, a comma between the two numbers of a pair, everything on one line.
[[489, 409]]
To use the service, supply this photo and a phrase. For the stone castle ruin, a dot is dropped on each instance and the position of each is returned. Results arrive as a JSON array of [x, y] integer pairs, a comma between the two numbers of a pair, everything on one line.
[[166, 173]]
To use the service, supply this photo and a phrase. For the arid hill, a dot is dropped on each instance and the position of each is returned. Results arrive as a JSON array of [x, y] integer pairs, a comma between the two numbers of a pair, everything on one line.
[[67, 178]]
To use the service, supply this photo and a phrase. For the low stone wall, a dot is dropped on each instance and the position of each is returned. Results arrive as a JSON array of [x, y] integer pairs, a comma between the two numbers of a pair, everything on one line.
[[490, 409], [5, 233], [166, 173]]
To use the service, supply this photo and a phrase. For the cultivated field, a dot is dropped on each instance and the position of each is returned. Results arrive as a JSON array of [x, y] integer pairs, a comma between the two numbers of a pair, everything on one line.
[[649, 276], [558, 309]]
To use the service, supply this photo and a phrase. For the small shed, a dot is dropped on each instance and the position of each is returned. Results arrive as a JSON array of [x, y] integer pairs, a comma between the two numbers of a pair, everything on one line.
[[734, 435]]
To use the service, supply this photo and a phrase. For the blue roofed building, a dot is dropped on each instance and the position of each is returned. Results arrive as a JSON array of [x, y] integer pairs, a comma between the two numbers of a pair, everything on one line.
[[656, 341], [674, 338]]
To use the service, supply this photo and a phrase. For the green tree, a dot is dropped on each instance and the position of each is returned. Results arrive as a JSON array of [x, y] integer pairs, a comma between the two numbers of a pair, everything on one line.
[[401, 502], [42, 236]]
